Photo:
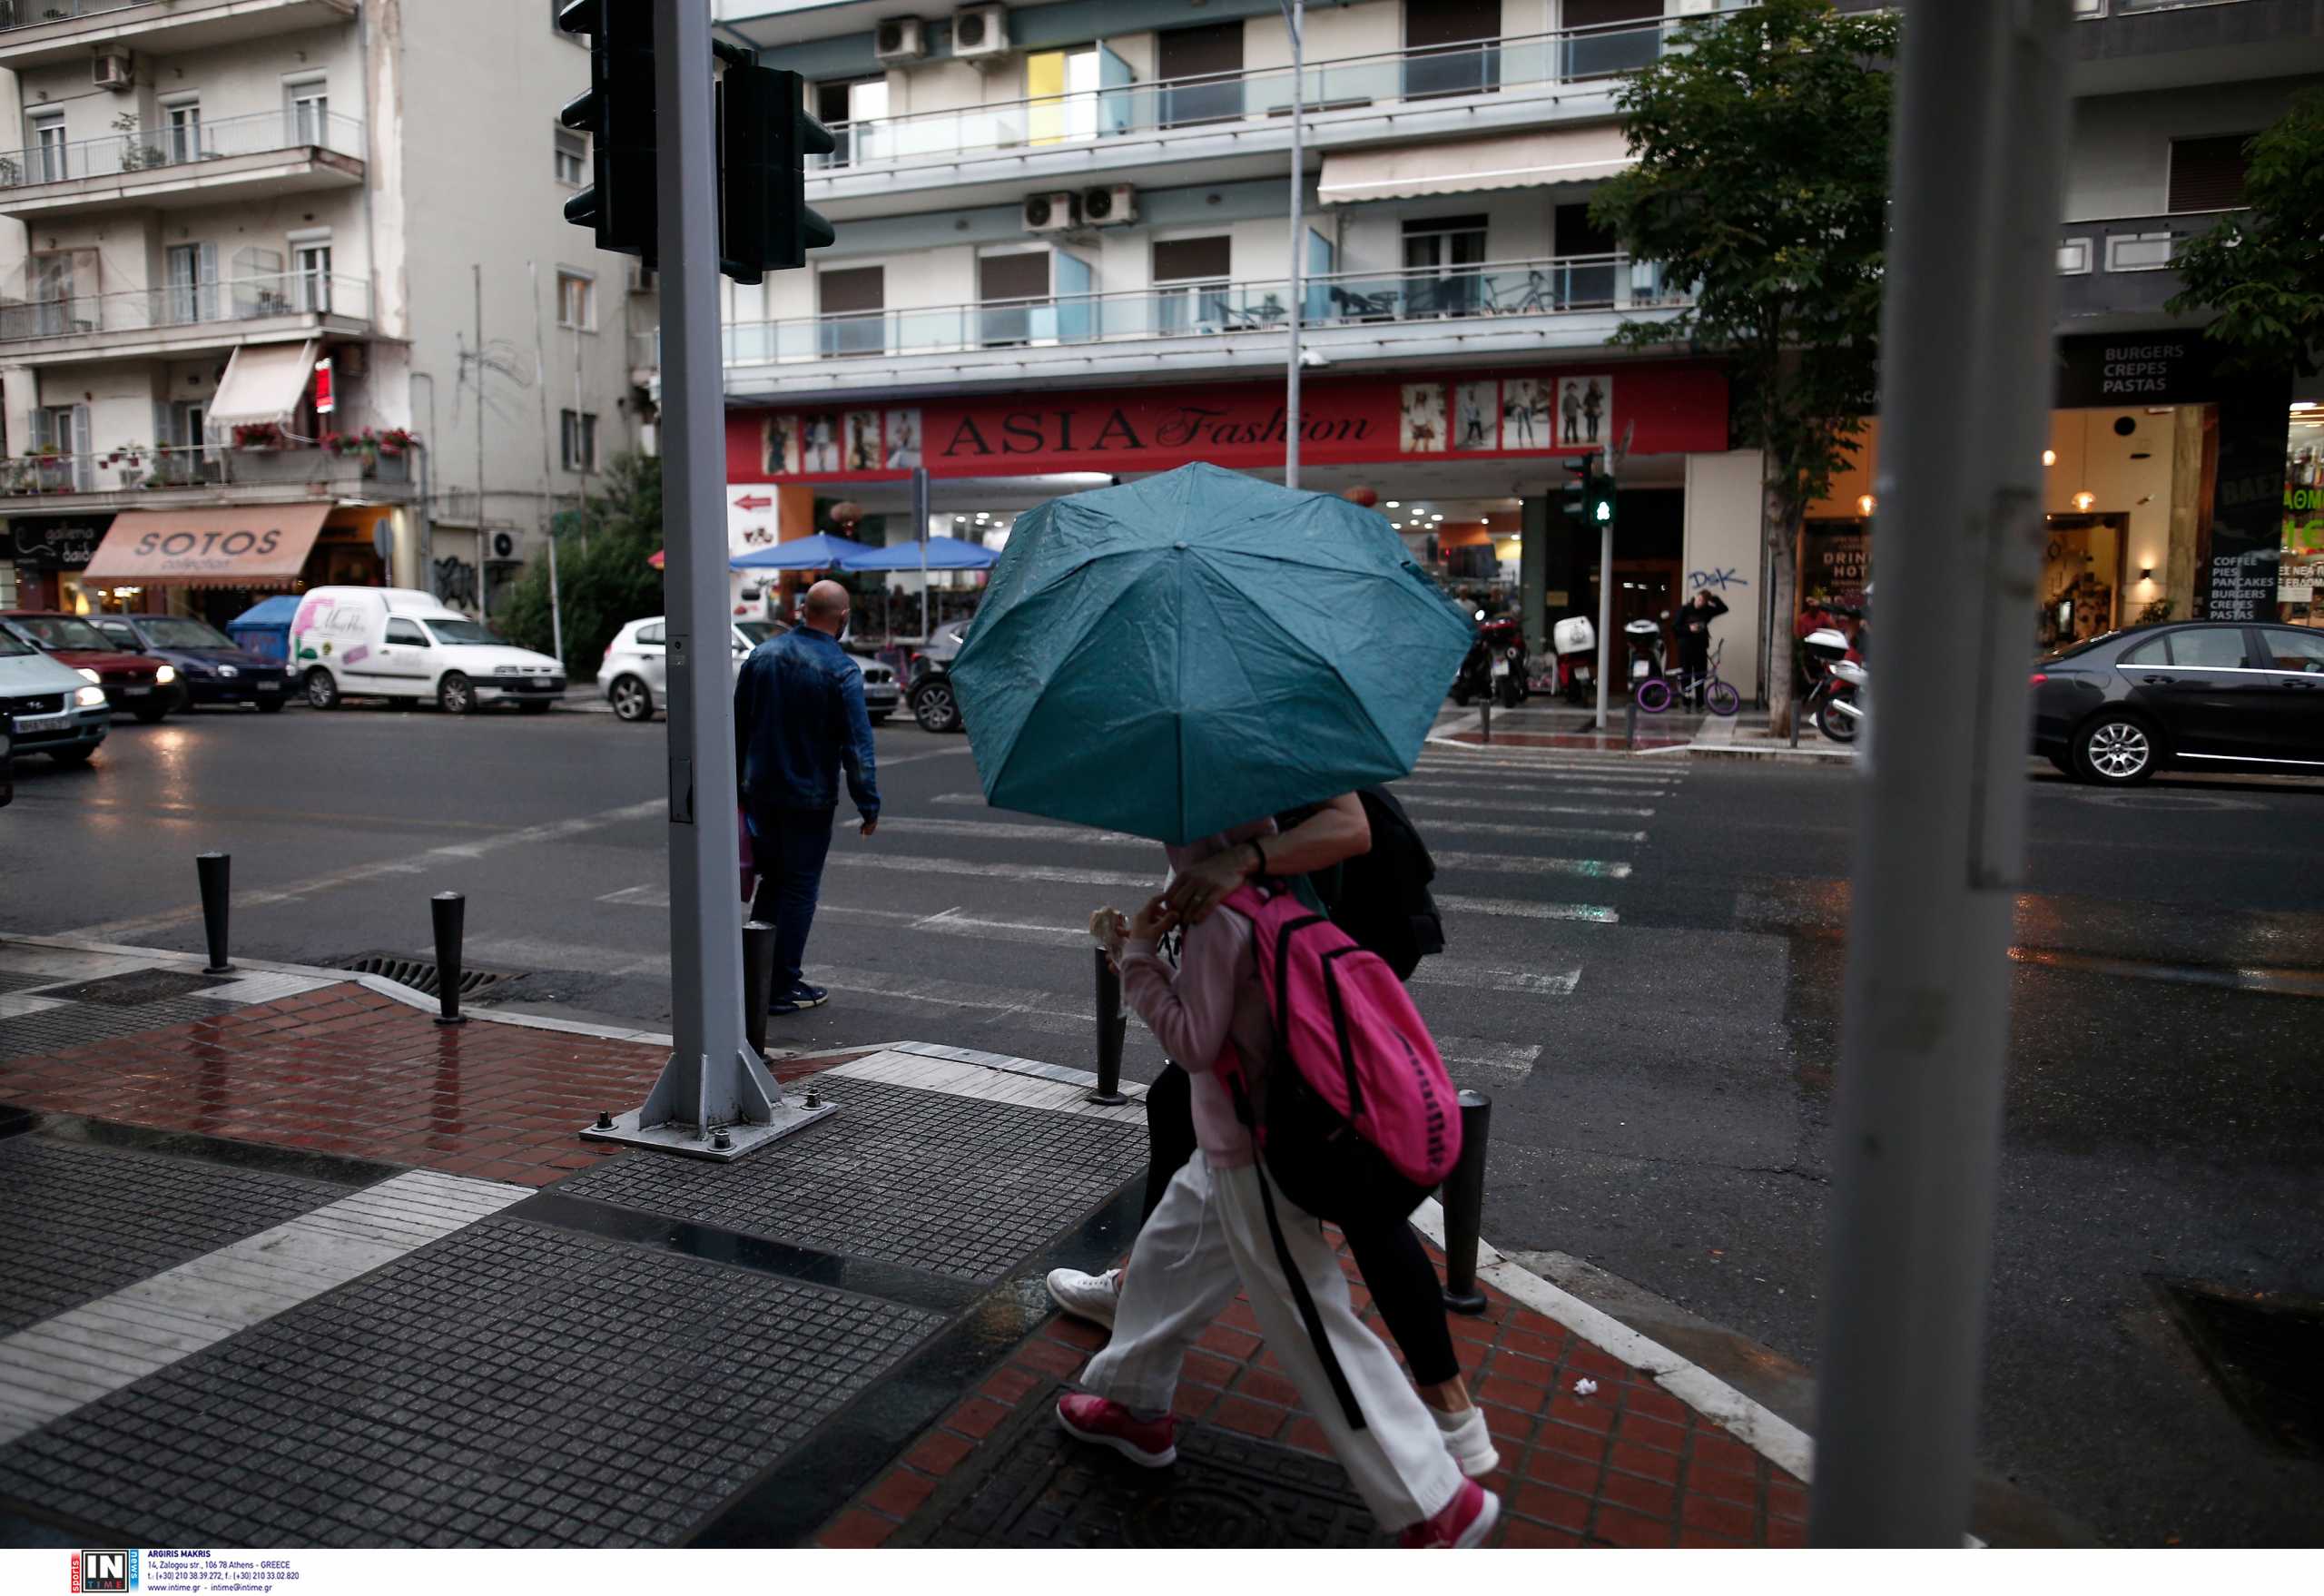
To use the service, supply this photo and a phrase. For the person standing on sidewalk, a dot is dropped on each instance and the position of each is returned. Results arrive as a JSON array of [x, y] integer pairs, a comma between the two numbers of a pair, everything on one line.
[[1212, 1233], [799, 722]]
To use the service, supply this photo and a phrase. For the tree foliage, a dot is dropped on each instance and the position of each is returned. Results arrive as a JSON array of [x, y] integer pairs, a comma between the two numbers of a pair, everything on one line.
[[1761, 185], [2261, 273], [604, 579]]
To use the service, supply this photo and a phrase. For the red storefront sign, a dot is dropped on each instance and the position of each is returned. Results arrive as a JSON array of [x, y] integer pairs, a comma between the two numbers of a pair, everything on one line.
[[1674, 408]]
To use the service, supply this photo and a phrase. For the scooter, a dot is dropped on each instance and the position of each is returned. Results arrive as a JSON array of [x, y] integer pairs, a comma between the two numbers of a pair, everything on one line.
[[1645, 640], [1823, 653], [1574, 643], [1495, 665], [1841, 714]]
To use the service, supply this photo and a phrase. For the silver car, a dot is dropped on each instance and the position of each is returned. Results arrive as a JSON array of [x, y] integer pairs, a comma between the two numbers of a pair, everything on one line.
[[46, 706], [635, 673]]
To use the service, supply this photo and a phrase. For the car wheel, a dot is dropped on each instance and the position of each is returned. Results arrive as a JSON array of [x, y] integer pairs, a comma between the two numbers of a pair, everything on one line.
[[270, 706], [73, 755], [456, 695], [934, 708], [632, 699], [322, 689], [2115, 751]]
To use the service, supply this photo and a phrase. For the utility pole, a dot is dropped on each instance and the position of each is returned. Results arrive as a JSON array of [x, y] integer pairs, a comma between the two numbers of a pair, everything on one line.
[[548, 482], [483, 538], [920, 522], [1965, 369], [1295, 14]]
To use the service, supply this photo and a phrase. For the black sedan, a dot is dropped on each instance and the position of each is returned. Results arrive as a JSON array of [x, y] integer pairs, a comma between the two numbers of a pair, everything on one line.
[[212, 669], [2201, 695]]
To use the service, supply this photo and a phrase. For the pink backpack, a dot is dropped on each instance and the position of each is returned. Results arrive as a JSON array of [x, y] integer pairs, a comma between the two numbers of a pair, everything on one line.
[[1355, 1114]]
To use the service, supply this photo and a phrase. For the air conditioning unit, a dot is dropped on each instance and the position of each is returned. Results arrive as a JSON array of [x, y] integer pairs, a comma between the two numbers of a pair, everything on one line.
[[641, 279], [981, 32], [1052, 212], [504, 545], [1112, 205], [900, 38], [110, 68]]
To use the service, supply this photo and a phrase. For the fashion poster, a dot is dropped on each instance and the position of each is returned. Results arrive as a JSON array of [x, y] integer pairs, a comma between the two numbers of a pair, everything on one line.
[[781, 455], [1585, 408], [903, 440], [1420, 427], [819, 441], [1476, 420], [1524, 414], [862, 440]]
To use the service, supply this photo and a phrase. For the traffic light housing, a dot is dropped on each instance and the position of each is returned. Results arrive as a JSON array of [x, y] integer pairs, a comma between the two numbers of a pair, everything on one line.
[[1598, 510], [764, 137], [1575, 503], [617, 113]]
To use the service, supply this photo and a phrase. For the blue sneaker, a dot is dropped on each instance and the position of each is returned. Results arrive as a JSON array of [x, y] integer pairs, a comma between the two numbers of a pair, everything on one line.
[[803, 995]]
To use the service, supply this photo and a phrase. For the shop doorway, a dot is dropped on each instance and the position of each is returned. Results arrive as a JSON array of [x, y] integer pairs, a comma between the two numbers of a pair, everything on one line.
[[2082, 578]]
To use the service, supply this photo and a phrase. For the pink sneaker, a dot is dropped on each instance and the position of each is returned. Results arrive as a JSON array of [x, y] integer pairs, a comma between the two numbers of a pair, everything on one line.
[[1147, 1443], [1466, 1520]]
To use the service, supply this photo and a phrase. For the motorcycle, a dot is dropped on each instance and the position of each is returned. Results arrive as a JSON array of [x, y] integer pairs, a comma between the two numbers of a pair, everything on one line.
[[1574, 643], [1841, 714], [1495, 665], [1646, 660], [1834, 676]]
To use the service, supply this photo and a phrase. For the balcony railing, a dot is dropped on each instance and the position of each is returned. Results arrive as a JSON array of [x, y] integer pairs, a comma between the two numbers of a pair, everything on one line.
[[2122, 264], [135, 466], [247, 299], [1209, 104], [28, 13], [153, 149], [1198, 310]]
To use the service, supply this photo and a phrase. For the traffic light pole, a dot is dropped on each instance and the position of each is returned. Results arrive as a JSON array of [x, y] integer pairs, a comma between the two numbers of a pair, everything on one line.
[[715, 1089], [1965, 381]]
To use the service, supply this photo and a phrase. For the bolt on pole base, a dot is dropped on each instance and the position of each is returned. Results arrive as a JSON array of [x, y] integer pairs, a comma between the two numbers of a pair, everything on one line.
[[766, 1115]]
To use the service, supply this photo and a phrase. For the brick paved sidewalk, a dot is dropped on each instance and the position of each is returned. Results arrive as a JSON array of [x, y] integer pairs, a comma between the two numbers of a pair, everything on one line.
[[1627, 1465]]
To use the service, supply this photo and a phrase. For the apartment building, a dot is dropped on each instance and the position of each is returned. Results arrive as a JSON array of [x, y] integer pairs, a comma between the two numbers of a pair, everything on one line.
[[1064, 256], [286, 299]]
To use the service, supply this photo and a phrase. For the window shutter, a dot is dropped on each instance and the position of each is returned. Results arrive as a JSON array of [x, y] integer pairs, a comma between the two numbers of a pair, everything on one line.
[[2207, 175], [205, 295], [80, 429]]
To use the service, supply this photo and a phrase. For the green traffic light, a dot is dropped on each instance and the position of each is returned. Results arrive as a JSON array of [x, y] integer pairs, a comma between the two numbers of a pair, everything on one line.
[[1605, 509]]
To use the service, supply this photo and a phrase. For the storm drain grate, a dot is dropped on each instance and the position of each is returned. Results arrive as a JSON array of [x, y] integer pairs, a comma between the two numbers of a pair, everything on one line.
[[420, 974], [137, 987], [2267, 1354]]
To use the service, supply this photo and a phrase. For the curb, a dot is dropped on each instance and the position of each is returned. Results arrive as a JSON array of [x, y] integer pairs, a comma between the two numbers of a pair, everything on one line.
[[1717, 741]]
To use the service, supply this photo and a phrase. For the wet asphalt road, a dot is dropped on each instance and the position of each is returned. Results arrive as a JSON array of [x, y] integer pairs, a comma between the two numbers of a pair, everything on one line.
[[1645, 973]]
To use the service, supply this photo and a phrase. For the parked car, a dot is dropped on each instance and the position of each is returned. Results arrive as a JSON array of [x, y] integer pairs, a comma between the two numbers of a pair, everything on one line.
[[401, 643], [2205, 695], [47, 707], [131, 681], [635, 676], [211, 667]]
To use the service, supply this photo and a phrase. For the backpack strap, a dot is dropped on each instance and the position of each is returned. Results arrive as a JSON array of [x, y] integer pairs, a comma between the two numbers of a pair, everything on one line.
[[1301, 1298]]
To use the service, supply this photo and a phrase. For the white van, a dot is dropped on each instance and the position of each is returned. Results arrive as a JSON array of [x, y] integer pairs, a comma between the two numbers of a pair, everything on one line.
[[401, 643]]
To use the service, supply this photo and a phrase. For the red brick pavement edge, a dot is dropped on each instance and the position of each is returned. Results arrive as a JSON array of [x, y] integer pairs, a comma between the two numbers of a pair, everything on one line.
[[1627, 1465]]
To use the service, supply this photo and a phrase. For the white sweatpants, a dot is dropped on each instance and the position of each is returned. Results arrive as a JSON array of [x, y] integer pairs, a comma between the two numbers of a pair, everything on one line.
[[1209, 1235]]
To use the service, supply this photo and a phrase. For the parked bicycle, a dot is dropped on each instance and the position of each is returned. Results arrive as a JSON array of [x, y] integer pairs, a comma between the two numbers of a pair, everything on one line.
[[1658, 692]]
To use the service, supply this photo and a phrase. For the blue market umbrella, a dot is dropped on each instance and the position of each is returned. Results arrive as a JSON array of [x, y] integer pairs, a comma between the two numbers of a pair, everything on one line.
[[823, 552], [1177, 656], [944, 553]]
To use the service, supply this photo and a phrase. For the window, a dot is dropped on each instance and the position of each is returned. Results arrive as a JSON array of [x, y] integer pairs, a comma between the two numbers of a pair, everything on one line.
[[852, 302], [849, 110], [577, 301], [181, 137], [182, 454], [311, 277], [572, 158], [2207, 175], [193, 283], [2292, 650], [1188, 275], [579, 430], [654, 635], [1008, 286], [2209, 648], [1203, 69], [407, 633], [1453, 47], [1062, 86], [309, 104], [1441, 254], [52, 293], [50, 153], [2155, 651]]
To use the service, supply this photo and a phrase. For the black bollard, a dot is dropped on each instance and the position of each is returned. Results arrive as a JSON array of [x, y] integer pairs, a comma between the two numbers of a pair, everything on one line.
[[1464, 1204], [448, 910], [1630, 725], [758, 981], [1484, 721], [211, 870], [1113, 1027]]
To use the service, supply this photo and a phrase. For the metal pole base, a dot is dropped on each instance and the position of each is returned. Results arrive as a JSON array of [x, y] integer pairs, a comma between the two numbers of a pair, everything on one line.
[[226, 969], [451, 1019], [1471, 1305], [741, 1136], [1113, 1100]]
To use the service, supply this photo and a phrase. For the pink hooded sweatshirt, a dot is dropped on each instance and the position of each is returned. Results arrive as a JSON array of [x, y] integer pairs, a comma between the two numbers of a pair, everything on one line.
[[1213, 999]]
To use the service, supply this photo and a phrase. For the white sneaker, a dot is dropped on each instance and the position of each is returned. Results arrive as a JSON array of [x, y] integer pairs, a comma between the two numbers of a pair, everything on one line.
[[1468, 1440], [1093, 1297]]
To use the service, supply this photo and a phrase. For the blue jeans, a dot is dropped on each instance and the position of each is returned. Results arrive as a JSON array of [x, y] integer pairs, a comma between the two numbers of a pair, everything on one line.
[[788, 846]]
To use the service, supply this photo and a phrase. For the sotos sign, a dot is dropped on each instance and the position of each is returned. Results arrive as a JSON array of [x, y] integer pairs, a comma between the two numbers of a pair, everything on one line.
[[1674, 408]]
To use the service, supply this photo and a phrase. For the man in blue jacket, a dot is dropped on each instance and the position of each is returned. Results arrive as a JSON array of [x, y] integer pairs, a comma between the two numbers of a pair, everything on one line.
[[799, 719]]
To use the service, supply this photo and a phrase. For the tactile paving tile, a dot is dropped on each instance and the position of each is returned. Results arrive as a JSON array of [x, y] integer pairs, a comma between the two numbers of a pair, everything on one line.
[[83, 1222], [13, 981], [509, 1386], [929, 1180], [1037, 1486], [53, 1030], [134, 987]]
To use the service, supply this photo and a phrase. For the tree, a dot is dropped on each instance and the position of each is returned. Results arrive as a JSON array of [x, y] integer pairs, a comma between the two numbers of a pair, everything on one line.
[[1761, 141], [604, 578], [2261, 273]]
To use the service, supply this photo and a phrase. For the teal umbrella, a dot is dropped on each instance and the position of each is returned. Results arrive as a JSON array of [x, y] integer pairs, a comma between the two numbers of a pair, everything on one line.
[[1177, 656]]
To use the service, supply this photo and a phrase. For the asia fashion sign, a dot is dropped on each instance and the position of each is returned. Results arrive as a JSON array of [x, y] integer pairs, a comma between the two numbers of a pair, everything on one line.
[[1364, 421]]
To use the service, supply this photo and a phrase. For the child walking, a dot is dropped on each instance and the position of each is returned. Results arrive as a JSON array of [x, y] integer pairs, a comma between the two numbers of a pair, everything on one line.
[[1209, 1235]]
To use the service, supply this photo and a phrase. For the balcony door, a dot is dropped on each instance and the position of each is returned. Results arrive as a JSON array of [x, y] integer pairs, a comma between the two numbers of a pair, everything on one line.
[[308, 109], [852, 302], [51, 155], [62, 431], [1012, 289], [311, 278], [182, 134], [1190, 283], [1607, 36], [852, 111], [1202, 73], [1585, 277], [192, 285], [53, 294], [1451, 47], [1442, 257]]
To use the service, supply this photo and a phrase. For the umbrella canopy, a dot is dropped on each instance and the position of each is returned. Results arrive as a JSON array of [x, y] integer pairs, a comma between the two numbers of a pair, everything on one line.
[[655, 559], [1174, 657], [823, 552], [944, 553]]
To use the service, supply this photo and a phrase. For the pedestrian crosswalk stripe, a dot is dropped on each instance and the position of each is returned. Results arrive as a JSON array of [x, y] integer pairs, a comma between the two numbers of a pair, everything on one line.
[[1457, 973], [919, 864], [1504, 1064], [1520, 805], [1524, 909], [1439, 827]]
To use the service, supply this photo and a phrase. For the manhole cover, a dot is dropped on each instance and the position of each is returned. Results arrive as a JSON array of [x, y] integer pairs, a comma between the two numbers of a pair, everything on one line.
[[2266, 1352], [139, 986], [420, 974]]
